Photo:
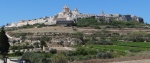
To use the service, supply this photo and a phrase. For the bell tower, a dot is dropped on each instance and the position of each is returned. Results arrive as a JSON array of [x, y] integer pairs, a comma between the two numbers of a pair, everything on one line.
[[76, 10], [66, 9], [102, 13]]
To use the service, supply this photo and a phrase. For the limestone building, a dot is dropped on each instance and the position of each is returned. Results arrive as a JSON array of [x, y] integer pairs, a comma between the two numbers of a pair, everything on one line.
[[67, 16]]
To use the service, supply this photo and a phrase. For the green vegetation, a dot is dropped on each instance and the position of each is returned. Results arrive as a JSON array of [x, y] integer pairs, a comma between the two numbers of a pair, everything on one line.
[[4, 44], [134, 44], [21, 34], [126, 24], [101, 44], [96, 23], [90, 51], [33, 26], [42, 57], [53, 51], [86, 22], [87, 52], [104, 36], [20, 47], [33, 57], [137, 37], [59, 58], [16, 54], [107, 51]]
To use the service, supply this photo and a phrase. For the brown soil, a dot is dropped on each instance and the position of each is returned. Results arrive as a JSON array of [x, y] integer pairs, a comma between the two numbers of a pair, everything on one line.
[[113, 60]]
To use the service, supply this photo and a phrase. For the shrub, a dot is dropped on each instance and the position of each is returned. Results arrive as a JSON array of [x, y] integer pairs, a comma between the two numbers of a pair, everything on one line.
[[59, 58], [17, 53], [91, 51], [103, 42], [134, 50], [86, 22], [81, 51], [53, 51], [71, 58], [33, 57], [47, 55], [104, 55]]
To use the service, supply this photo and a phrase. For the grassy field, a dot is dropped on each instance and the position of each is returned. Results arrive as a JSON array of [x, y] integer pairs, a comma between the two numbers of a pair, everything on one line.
[[121, 51], [122, 48], [125, 46], [134, 44]]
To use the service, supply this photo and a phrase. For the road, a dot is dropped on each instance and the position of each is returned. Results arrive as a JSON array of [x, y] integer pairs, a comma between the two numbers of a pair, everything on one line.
[[1, 61]]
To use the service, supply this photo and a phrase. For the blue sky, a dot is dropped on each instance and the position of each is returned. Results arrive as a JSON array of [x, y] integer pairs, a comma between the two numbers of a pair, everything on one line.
[[15, 10]]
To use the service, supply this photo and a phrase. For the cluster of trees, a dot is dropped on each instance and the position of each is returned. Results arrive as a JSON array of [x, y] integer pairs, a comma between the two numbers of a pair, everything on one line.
[[125, 24], [86, 22], [34, 57], [137, 37], [96, 23], [108, 37], [86, 53], [15, 54], [41, 57], [21, 47], [98, 38], [105, 37], [81, 53]]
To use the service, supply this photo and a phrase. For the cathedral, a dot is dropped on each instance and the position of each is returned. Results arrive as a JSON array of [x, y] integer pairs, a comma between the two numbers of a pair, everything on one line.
[[66, 14]]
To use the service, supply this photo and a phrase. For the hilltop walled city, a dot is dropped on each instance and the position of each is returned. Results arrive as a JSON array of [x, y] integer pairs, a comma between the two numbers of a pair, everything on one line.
[[67, 16], [77, 37]]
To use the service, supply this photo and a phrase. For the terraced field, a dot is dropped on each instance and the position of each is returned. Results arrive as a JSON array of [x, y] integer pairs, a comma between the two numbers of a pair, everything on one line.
[[134, 44], [70, 30], [133, 52], [126, 46]]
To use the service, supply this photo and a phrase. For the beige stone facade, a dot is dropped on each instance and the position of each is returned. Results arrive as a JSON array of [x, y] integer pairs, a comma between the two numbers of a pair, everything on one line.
[[67, 15]]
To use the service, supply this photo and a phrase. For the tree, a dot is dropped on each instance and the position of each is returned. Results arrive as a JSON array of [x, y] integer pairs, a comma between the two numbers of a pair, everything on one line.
[[4, 44], [42, 42], [53, 51], [86, 22], [59, 58], [80, 36], [33, 57]]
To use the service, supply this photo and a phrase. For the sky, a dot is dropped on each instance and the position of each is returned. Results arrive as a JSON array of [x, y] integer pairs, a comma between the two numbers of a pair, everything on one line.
[[15, 10]]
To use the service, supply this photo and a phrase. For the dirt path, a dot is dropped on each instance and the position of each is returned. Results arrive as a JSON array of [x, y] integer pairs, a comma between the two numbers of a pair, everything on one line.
[[135, 61]]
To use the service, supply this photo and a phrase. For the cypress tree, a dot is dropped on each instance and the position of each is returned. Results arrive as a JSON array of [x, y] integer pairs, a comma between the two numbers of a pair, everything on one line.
[[4, 44]]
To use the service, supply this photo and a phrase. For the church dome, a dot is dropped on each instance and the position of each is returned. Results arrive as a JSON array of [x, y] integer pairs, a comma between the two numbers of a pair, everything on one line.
[[75, 9], [65, 6], [66, 9]]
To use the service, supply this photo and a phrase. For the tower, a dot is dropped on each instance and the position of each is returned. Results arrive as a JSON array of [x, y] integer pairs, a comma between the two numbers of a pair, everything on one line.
[[76, 10], [66, 9], [102, 13]]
